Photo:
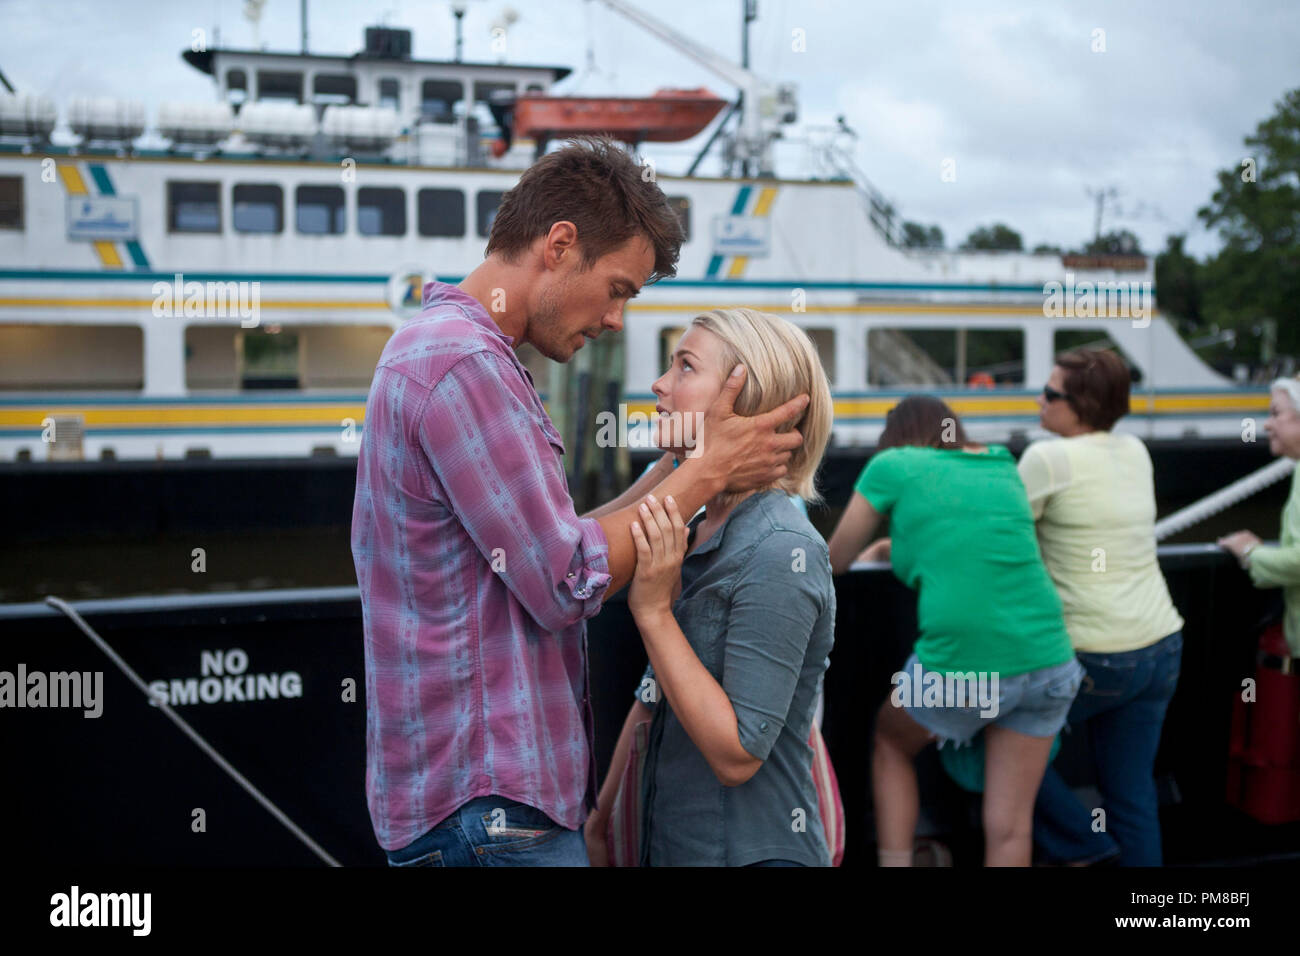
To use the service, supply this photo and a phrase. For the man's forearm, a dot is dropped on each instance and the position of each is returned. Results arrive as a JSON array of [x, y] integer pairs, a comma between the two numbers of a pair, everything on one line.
[[691, 485]]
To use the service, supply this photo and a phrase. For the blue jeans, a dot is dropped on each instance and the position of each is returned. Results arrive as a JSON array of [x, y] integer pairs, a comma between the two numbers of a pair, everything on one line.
[[1123, 699], [494, 831]]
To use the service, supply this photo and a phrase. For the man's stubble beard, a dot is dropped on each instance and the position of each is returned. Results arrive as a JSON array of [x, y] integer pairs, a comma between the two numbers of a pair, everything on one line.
[[544, 326]]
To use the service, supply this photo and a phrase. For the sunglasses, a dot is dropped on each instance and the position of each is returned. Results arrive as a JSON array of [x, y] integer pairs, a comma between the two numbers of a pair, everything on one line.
[[1052, 395]]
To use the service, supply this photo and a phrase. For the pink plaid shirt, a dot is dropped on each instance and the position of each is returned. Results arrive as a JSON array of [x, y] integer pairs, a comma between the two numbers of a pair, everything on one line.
[[476, 580]]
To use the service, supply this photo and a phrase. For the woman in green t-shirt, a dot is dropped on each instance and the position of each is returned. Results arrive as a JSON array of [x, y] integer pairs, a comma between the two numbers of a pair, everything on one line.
[[992, 654]]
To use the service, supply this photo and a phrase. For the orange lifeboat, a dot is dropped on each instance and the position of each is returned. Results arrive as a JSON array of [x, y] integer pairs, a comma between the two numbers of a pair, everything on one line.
[[669, 116]]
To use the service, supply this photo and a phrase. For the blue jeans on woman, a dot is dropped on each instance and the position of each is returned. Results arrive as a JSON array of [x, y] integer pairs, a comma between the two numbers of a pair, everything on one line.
[[495, 831], [1123, 699]]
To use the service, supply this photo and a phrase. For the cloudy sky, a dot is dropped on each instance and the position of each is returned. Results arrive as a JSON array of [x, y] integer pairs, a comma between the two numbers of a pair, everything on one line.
[[1011, 90]]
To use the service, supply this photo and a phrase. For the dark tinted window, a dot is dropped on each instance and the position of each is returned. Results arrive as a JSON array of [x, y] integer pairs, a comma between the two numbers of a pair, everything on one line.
[[488, 201], [381, 212], [320, 210], [194, 207], [257, 208], [11, 202], [441, 212]]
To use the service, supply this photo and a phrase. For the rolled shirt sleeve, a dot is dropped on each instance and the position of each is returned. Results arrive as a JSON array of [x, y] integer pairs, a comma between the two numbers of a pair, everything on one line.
[[497, 458], [774, 609]]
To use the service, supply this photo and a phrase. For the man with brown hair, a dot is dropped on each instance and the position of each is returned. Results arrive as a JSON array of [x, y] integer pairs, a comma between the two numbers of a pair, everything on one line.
[[476, 576]]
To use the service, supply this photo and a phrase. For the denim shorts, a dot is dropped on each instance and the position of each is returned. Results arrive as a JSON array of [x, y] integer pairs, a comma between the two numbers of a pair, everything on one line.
[[495, 831], [1035, 703]]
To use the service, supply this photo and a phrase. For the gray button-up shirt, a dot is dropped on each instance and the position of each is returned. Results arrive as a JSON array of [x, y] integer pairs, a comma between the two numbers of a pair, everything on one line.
[[758, 608]]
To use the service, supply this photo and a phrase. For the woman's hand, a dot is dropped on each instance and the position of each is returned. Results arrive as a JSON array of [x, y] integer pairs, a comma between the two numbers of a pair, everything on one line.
[[594, 833], [1238, 542], [878, 550], [660, 539]]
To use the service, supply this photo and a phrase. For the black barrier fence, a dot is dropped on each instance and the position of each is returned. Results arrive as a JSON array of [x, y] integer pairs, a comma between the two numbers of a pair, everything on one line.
[[274, 680]]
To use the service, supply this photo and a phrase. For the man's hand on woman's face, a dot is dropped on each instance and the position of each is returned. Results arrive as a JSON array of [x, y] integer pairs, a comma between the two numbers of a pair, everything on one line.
[[747, 452]]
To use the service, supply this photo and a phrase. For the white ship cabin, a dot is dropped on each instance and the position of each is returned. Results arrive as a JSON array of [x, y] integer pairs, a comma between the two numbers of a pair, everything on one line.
[[223, 281]]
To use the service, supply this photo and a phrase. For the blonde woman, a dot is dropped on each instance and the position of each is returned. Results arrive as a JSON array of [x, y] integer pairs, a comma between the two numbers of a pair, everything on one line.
[[736, 661]]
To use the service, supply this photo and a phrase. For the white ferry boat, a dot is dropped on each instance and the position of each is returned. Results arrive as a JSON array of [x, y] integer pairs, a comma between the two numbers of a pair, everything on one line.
[[227, 293]]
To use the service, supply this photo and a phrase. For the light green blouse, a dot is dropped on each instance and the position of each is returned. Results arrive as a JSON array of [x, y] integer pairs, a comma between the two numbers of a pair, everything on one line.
[[1278, 566]]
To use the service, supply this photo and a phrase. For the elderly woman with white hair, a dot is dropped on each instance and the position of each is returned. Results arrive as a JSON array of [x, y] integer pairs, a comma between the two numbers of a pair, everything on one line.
[[1273, 566]]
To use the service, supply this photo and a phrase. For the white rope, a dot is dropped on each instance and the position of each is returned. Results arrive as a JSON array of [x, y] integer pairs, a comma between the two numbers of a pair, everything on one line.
[[61, 605], [1225, 497]]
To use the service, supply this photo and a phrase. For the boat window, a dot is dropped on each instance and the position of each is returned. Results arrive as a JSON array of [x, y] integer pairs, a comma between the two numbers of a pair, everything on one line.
[[488, 201], [268, 357], [334, 89], [381, 212], [53, 357], [441, 212], [320, 210], [682, 206], [438, 100], [976, 358], [668, 339], [824, 341], [272, 85], [236, 86], [258, 208], [194, 207], [1094, 338], [11, 202], [390, 95]]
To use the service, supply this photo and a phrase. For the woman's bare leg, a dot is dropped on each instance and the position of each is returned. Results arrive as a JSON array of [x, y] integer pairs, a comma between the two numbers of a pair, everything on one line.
[[1013, 769], [898, 739]]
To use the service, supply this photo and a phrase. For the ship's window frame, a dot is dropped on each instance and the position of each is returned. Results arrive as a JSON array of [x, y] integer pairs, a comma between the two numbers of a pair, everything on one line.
[[275, 337], [485, 213], [382, 98], [257, 194], [823, 335], [435, 89], [1096, 337], [344, 92], [682, 206], [337, 214], [371, 192], [280, 85], [237, 82], [910, 331], [174, 185], [440, 222], [12, 208]]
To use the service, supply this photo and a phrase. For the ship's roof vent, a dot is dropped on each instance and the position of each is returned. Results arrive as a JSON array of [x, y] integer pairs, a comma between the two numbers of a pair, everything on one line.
[[195, 123], [106, 118], [281, 125], [361, 128], [27, 115]]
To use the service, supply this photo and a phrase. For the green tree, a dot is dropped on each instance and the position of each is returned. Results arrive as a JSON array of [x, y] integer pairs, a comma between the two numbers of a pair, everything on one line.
[[1178, 283], [996, 236], [1044, 248], [1121, 243], [917, 236], [1256, 209]]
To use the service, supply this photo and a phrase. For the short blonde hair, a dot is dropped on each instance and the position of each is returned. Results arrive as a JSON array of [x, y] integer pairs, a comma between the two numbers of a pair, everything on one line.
[[780, 362]]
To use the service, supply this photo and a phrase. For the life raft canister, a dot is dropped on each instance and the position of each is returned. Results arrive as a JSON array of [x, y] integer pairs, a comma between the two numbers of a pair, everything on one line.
[[1264, 747]]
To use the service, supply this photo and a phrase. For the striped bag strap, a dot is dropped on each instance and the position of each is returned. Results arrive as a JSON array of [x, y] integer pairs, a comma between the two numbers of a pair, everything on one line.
[[623, 829], [829, 804]]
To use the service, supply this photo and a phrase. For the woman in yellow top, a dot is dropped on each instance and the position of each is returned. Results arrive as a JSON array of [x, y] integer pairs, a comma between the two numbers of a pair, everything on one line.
[[1273, 566], [1093, 498]]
